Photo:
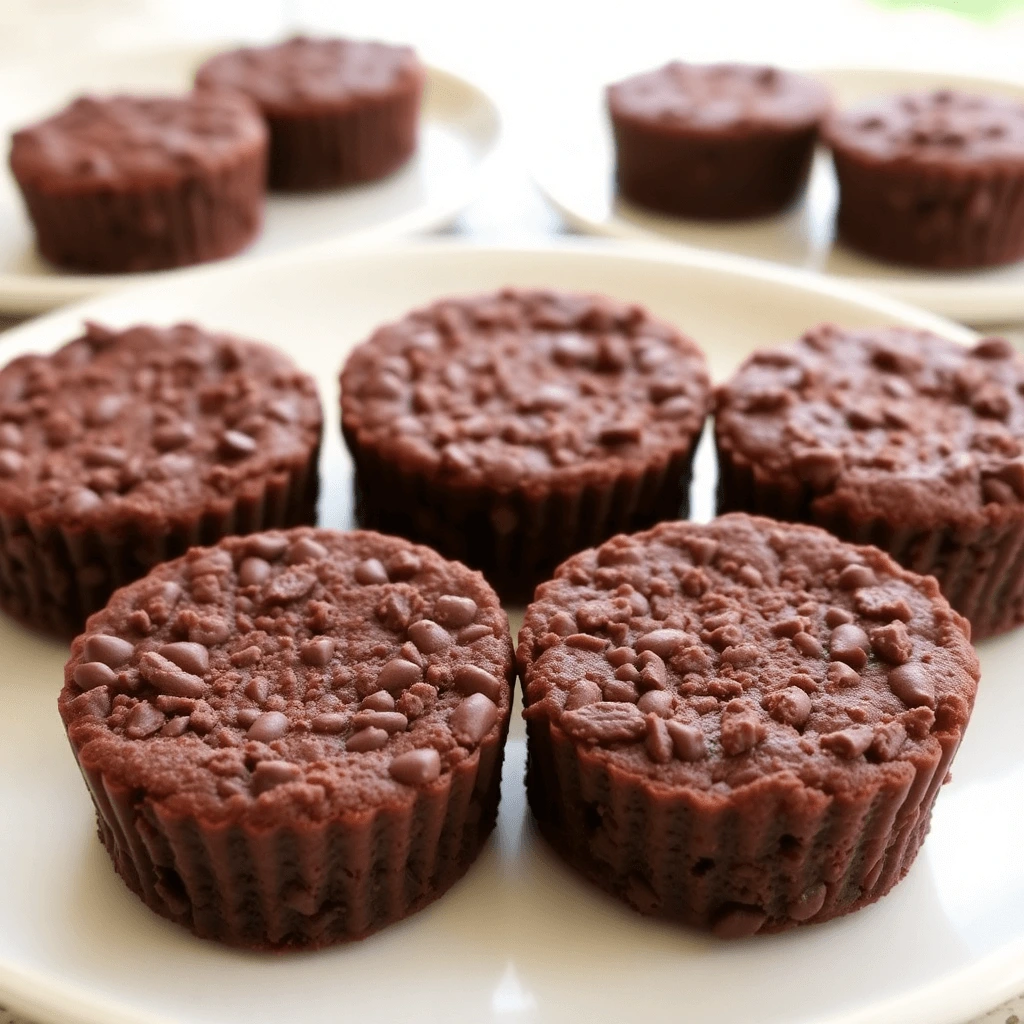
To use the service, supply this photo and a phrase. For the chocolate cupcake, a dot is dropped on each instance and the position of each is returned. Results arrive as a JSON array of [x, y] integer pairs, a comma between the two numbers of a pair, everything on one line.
[[125, 448], [741, 726], [932, 180], [295, 738], [130, 183], [339, 111], [717, 141], [891, 437], [510, 429]]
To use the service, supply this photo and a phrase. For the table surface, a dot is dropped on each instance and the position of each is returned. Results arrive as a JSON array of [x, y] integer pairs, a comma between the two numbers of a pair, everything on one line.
[[523, 55]]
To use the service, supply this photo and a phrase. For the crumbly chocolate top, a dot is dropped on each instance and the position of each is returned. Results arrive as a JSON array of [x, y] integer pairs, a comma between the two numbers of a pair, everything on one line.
[[525, 387], [942, 127], [709, 98], [303, 72], [149, 425], [892, 423], [708, 657], [291, 674], [136, 141]]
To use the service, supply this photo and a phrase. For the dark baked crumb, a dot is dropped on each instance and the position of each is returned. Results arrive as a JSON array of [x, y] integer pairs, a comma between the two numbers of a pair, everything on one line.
[[694, 669], [894, 427], [502, 401]]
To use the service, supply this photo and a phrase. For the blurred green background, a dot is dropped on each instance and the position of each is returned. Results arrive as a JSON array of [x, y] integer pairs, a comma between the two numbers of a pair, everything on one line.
[[981, 9]]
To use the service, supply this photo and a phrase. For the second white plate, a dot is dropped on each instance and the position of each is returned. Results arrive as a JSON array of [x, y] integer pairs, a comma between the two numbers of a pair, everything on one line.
[[460, 131], [573, 160]]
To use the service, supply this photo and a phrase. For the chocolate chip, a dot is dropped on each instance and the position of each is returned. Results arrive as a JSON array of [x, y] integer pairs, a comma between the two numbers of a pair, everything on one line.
[[850, 742], [404, 565], [993, 348], [473, 679], [621, 690], [416, 767], [888, 740], [366, 739], [604, 722], [143, 720], [658, 742], [470, 634], [253, 571], [808, 645], [738, 922], [175, 727], [399, 674], [913, 684], [583, 693], [656, 702], [379, 701], [791, 706], [892, 643], [270, 546], [849, 643], [90, 674], [808, 903], [80, 502], [271, 725], [110, 650], [236, 445], [454, 612], [173, 435], [305, 550], [194, 658], [837, 617], [472, 719], [586, 642], [371, 572], [853, 577], [104, 455], [653, 674], [664, 642], [840, 675], [167, 677], [429, 637], [270, 774], [244, 717], [389, 721], [10, 462], [289, 586], [619, 656], [317, 652]]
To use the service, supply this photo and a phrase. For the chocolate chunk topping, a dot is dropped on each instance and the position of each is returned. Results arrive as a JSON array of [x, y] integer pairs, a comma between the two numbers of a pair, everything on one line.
[[782, 669]]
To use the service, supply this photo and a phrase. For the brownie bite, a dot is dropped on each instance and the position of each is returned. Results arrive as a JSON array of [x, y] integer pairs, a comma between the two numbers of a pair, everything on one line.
[[339, 111], [932, 180], [295, 738], [716, 141], [511, 429], [125, 448], [132, 183], [892, 437], [741, 726]]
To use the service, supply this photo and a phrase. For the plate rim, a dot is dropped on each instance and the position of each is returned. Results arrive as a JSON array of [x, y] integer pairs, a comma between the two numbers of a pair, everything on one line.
[[32, 294], [979, 303], [976, 988]]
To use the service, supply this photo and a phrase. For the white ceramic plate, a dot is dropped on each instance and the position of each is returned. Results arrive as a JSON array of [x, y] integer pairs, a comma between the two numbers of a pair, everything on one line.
[[521, 939], [573, 162], [460, 132]]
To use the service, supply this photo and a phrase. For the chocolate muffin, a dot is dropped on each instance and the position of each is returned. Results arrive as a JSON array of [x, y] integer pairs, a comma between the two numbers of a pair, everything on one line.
[[294, 738], [125, 448], [741, 726], [510, 429], [932, 180], [339, 111], [891, 437], [717, 141], [131, 183]]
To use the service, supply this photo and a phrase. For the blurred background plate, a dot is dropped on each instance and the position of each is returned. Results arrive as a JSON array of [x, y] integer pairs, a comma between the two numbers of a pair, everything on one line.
[[572, 160], [521, 938], [460, 133]]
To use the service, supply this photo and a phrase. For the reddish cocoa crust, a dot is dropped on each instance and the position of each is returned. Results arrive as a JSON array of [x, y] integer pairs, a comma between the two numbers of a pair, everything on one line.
[[932, 180], [339, 111], [510, 429], [715, 141], [128, 183], [294, 738], [892, 437], [125, 448], [741, 726]]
